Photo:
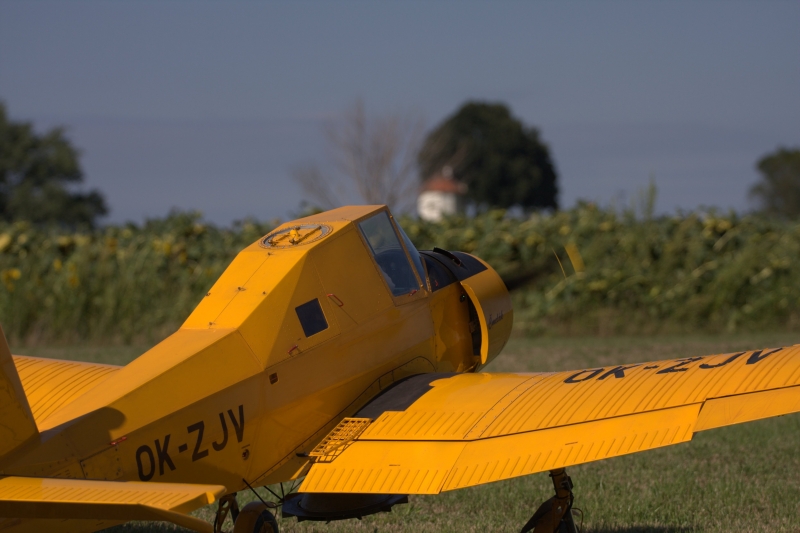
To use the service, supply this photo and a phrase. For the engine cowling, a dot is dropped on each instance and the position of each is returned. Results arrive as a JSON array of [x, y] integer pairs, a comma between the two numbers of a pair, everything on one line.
[[491, 315], [492, 303]]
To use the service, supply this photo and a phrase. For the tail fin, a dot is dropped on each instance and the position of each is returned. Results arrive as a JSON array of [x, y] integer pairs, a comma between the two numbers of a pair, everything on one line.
[[17, 426]]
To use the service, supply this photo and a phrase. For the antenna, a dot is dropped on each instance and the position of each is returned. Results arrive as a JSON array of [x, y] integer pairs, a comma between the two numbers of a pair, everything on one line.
[[559, 262]]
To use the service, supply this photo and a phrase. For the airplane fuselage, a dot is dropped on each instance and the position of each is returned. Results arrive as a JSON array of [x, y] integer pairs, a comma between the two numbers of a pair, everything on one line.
[[304, 328]]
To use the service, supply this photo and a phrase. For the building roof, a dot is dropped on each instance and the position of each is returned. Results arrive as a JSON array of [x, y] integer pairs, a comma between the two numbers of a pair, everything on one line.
[[444, 183]]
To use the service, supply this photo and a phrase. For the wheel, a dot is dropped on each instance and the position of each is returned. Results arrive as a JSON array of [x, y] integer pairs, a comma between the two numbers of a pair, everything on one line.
[[255, 518]]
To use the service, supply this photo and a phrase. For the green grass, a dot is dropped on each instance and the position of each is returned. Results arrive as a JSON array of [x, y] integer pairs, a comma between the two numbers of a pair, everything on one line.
[[739, 478]]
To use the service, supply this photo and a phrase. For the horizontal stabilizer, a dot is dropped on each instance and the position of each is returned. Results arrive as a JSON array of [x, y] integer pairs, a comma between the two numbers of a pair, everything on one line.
[[52, 384], [17, 426], [77, 499]]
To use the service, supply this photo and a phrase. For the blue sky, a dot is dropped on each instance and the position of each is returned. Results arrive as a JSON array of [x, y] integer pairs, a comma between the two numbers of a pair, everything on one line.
[[208, 105]]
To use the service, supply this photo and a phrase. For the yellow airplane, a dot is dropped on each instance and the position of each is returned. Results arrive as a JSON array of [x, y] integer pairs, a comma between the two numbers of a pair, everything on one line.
[[332, 350]]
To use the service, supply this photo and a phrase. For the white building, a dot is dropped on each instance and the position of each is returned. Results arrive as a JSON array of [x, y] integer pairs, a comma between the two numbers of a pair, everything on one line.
[[441, 195]]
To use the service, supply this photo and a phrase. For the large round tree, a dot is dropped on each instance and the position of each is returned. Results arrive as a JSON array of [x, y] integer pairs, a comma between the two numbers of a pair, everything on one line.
[[503, 162], [38, 173], [778, 190]]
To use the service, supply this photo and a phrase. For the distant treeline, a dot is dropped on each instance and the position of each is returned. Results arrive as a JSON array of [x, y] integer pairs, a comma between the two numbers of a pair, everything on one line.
[[699, 271]]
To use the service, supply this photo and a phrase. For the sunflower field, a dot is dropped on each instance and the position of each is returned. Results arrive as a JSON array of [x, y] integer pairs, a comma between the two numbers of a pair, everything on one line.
[[586, 270]]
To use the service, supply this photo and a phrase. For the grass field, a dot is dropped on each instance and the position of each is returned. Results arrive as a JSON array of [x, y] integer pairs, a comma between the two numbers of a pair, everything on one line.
[[739, 478]]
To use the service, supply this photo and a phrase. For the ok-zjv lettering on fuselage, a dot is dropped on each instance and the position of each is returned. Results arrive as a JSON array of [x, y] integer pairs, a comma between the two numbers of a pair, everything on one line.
[[150, 459]]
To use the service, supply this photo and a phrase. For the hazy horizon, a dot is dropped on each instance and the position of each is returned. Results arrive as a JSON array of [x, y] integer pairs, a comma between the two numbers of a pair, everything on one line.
[[208, 105]]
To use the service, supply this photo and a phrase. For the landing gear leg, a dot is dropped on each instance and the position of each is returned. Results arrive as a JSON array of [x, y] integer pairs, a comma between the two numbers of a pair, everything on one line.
[[227, 504], [555, 515]]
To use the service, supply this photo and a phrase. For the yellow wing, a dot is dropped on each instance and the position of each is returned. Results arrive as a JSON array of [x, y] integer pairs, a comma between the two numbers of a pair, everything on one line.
[[72, 505], [51, 384], [468, 429]]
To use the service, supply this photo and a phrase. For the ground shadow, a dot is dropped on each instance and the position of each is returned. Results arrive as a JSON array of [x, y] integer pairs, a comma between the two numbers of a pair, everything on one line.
[[147, 527], [161, 527], [639, 529]]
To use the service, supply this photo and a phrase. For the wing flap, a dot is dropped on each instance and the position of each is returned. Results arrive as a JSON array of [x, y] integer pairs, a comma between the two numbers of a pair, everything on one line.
[[386, 468], [719, 412], [45, 498], [488, 460], [429, 467]]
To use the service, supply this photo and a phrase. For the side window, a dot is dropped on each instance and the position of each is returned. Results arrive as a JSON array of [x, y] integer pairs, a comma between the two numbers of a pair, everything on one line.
[[311, 317], [389, 254], [438, 274]]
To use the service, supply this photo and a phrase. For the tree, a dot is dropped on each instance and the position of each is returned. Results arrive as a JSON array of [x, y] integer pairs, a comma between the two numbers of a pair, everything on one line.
[[372, 157], [778, 191], [37, 173], [502, 162]]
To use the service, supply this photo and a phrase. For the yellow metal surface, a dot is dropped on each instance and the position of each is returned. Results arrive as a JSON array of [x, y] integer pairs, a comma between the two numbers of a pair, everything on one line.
[[78, 499], [358, 290], [573, 397], [36, 494], [452, 339], [263, 380], [386, 468], [296, 235], [720, 412], [17, 425], [490, 297], [519, 424], [51, 384], [487, 460], [241, 388]]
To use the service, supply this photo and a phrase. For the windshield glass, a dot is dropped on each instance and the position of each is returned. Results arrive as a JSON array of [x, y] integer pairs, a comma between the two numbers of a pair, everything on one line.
[[412, 251], [390, 256]]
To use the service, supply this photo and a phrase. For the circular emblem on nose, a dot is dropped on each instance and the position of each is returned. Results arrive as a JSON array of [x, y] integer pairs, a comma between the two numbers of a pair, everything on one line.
[[295, 235]]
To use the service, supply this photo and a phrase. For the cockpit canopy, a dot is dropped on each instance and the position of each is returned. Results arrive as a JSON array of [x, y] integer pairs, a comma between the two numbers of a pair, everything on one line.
[[392, 253]]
